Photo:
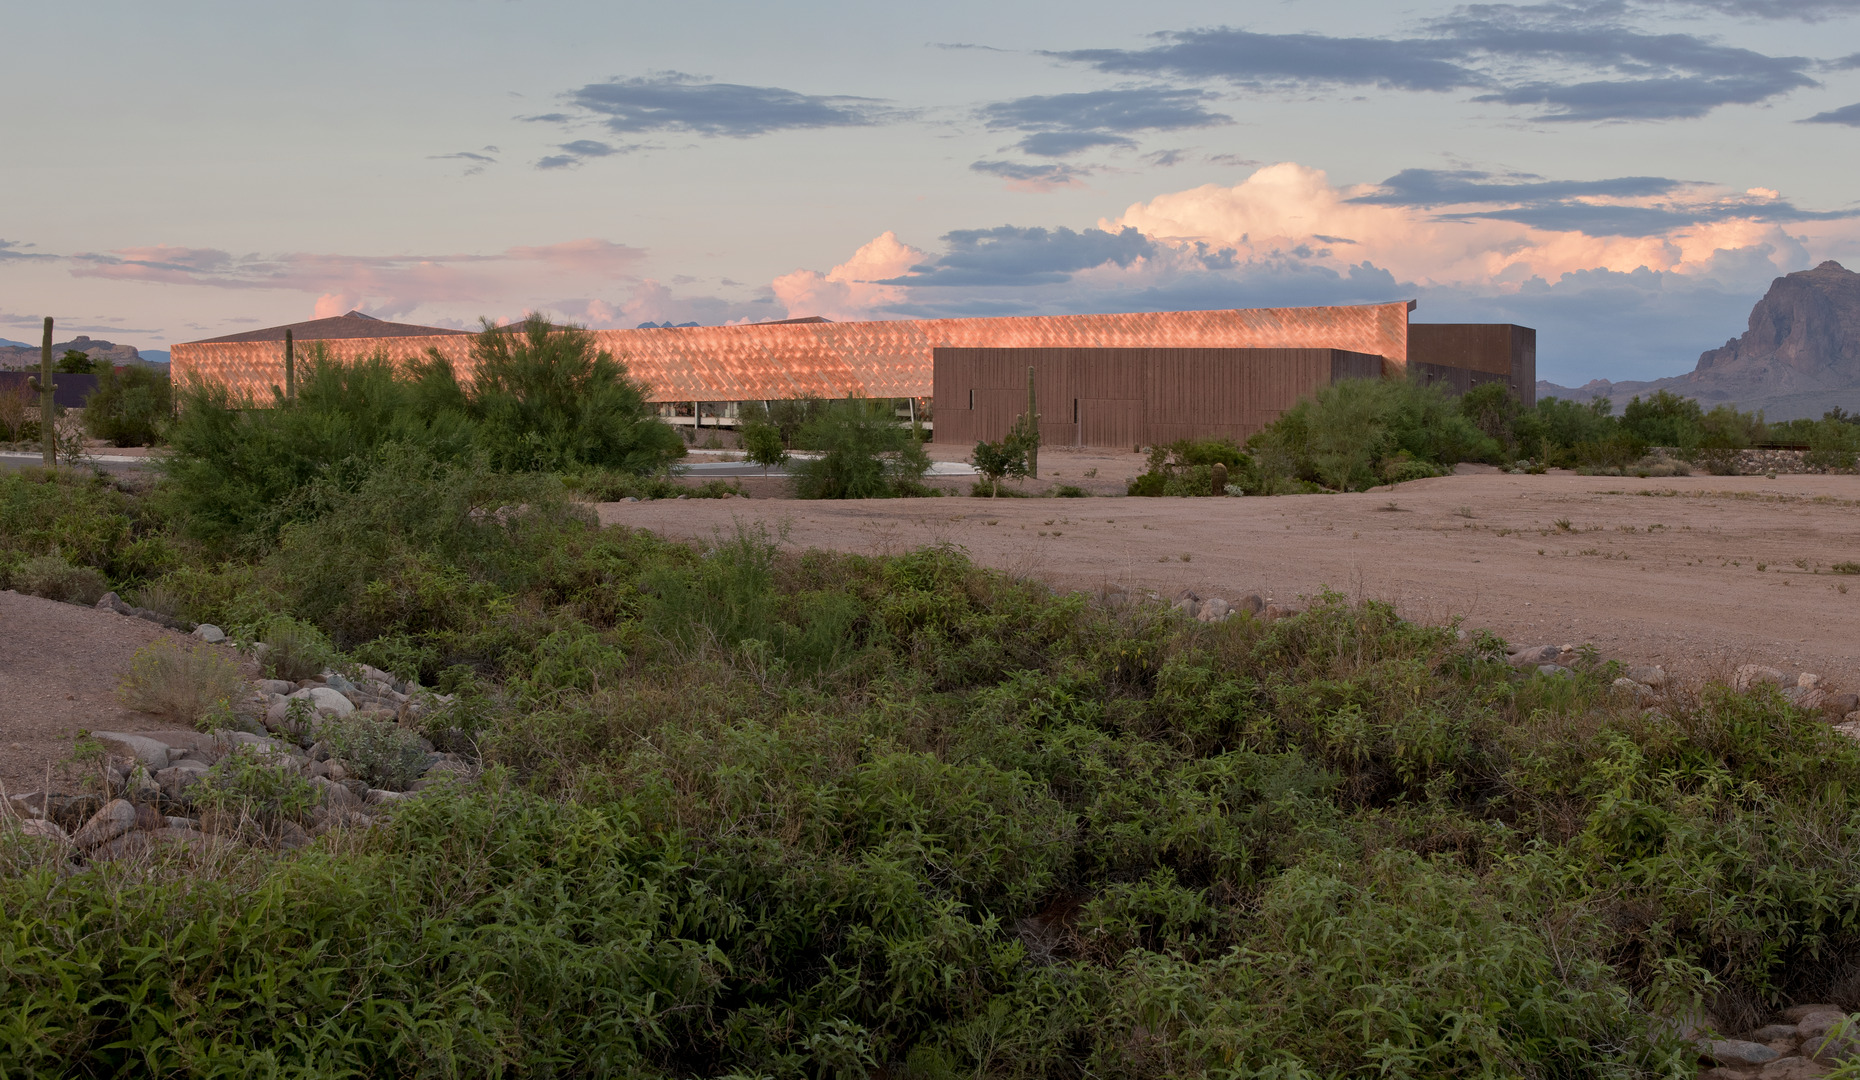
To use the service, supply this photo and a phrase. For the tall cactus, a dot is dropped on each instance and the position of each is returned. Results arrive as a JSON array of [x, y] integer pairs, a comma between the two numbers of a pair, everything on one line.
[[290, 367], [48, 436]]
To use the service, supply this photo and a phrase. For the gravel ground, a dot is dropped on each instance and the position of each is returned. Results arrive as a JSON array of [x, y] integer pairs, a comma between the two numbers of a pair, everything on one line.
[[1659, 570]]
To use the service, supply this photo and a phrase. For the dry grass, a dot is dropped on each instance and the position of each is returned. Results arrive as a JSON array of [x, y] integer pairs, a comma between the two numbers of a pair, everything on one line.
[[178, 684]]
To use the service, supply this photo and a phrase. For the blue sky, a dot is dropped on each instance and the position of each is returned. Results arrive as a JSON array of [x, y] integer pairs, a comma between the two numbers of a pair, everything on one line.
[[1627, 176]]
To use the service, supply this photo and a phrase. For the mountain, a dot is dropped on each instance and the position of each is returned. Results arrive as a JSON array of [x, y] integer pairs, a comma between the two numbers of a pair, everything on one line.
[[5, 342], [14, 355], [1800, 357]]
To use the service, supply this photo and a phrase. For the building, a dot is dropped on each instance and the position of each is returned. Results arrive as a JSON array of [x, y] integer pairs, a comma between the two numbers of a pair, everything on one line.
[[702, 372]]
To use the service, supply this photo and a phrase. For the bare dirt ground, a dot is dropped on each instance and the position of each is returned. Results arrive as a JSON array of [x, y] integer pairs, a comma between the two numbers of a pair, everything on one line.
[[59, 666], [1697, 573]]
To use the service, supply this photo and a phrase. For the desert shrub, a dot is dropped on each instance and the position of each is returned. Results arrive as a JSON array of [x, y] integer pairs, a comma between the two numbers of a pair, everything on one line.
[[83, 517], [1549, 433], [763, 444], [130, 407], [379, 751], [1069, 491], [1354, 434], [17, 408], [256, 787], [789, 418], [863, 453], [1186, 467], [546, 397], [605, 485], [54, 578], [293, 650], [996, 461], [182, 685]]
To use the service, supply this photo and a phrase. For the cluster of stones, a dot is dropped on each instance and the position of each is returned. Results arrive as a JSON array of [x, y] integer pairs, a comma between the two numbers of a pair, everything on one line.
[[113, 602], [1762, 462], [1805, 690], [148, 776], [1803, 1041], [1209, 609]]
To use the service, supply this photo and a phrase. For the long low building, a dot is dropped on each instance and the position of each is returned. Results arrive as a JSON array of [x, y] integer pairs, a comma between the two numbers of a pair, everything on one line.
[[704, 370]]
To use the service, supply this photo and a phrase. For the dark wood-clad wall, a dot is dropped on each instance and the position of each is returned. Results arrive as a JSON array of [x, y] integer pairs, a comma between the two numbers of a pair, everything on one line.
[[1465, 355], [1130, 397]]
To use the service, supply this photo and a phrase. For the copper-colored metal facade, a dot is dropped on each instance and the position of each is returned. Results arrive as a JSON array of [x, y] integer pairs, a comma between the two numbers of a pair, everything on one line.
[[891, 359], [1464, 355], [1131, 397]]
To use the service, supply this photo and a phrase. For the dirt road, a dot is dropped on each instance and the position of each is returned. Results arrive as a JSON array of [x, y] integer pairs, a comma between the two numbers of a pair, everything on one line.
[[1697, 573]]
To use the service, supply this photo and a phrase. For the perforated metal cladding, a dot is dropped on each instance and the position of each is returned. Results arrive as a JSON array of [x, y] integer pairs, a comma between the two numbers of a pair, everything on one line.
[[890, 359]]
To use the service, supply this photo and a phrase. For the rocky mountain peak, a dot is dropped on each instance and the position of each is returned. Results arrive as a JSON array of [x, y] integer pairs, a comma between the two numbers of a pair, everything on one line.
[[1804, 335]]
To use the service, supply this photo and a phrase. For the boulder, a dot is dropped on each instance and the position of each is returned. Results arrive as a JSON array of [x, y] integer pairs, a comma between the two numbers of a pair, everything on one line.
[[141, 786], [1532, 655], [1251, 603], [292, 837], [209, 633], [334, 795], [117, 817], [1639, 691], [1553, 669], [1213, 609], [1648, 675], [1750, 675], [1836, 1049], [176, 779], [1838, 705], [1811, 699], [325, 700], [383, 797], [277, 686], [44, 830], [1850, 727], [1737, 1052], [1790, 1068], [1807, 681], [1821, 1022], [1770, 1034], [127, 845], [152, 753]]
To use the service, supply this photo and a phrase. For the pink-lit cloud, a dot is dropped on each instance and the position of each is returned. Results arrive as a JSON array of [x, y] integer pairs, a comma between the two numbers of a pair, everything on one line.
[[850, 290]]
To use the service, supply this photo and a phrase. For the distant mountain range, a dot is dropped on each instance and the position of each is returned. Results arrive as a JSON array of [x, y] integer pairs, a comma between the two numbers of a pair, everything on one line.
[[1800, 357], [19, 354]]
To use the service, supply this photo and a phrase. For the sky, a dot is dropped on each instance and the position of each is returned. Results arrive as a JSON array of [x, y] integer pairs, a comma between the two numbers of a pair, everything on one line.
[[1627, 176]]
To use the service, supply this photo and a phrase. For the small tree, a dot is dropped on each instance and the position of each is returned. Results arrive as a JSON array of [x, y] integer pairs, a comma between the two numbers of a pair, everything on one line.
[[997, 460], [74, 362], [865, 453], [129, 407], [762, 444]]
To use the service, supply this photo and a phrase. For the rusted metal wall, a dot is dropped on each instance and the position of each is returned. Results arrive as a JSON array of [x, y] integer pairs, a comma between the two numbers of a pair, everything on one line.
[[890, 359], [1130, 397], [1465, 355]]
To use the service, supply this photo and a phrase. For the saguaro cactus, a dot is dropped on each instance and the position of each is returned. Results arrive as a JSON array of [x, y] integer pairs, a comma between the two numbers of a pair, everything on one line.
[[1217, 479], [48, 436], [290, 367]]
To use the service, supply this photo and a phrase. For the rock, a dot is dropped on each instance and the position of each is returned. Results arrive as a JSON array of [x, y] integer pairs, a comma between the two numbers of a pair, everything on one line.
[[325, 700], [1648, 675], [176, 779], [1750, 675], [108, 602], [316, 769], [1552, 669], [382, 797], [1791, 1068], [335, 770], [1807, 681], [117, 817], [1279, 611], [209, 633], [1737, 1052], [1811, 699], [1533, 655], [128, 844], [141, 787], [292, 837], [1821, 1022], [44, 830], [72, 811], [1850, 727], [319, 751], [1640, 691], [1838, 705], [340, 684], [147, 818], [152, 753], [182, 822], [1831, 1050], [1770, 1033], [277, 686], [1213, 609], [334, 795], [1251, 603], [269, 747]]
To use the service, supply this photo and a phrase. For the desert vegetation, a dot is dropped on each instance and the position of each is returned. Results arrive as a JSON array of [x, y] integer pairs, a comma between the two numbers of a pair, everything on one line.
[[751, 811]]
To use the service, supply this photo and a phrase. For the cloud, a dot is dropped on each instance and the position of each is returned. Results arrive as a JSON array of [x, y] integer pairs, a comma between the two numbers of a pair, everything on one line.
[[1249, 59], [1804, 10], [1023, 177], [671, 101], [854, 288], [574, 153], [1567, 61], [1063, 124], [386, 285], [11, 249], [1435, 187], [1846, 115], [1011, 256]]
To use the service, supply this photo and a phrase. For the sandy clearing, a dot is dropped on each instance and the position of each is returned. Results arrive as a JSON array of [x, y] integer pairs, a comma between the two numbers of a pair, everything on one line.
[[59, 666], [1657, 570]]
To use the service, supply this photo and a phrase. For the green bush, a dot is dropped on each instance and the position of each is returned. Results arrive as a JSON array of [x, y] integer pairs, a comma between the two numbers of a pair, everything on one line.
[[130, 407], [1355, 434], [293, 650], [763, 445], [382, 753], [863, 453], [53, 578], [602, 485], [1186, 467]]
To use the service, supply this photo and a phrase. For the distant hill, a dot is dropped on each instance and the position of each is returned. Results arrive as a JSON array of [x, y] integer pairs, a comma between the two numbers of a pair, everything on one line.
[[19, 355], [1799, 358]]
